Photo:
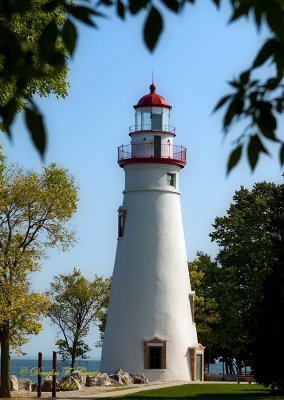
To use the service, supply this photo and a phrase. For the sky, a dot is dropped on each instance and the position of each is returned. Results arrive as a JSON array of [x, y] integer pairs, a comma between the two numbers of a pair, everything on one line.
[[198, 53]]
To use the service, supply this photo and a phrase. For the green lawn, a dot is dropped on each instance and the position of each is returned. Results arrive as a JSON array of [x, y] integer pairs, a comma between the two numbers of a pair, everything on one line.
[[208, 391]]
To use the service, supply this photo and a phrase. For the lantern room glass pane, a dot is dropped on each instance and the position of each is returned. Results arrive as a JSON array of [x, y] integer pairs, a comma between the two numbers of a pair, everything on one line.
[[138, 119], [146, 118], [152, 119], [166, 119], [156, 120]]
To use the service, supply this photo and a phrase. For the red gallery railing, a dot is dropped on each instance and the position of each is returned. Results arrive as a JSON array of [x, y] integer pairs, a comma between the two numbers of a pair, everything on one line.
[[144, 151]]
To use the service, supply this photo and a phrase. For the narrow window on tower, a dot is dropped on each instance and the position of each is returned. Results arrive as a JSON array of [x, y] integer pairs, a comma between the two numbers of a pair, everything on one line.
[[171, 179], [155, 357], [121, 221]]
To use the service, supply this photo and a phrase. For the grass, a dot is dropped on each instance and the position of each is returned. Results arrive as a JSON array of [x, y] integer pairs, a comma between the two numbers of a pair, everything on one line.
[[208, 392]]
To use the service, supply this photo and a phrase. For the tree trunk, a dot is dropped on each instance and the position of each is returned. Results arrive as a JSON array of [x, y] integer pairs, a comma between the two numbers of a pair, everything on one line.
[[73, 358], [5, 361]]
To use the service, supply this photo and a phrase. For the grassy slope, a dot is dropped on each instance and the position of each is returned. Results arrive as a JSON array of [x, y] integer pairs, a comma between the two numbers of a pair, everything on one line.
[[208, 392]]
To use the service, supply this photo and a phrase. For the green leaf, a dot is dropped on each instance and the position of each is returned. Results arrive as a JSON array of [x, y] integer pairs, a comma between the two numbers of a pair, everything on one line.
[[240, 10], [255, 147], [69, 36], [173, 5], [266, 121], [279, 104], [217, 3], [153, 28], [120, 9], [136, 5], [8, 113], [272, 83], [47, 42], [36, 127], [222, 102], [234, 109], [51, 5], [274, 16], [281, 154], [265, 53], [244, 77], [82, 13], [258, 11], [234, 158]]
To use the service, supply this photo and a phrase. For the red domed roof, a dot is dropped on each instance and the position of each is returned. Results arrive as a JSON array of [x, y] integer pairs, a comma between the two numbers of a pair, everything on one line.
[[152, 99]]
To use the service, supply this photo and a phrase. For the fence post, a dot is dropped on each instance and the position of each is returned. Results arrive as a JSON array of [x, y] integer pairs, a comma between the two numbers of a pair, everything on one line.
[[54, 374], [39, 371]]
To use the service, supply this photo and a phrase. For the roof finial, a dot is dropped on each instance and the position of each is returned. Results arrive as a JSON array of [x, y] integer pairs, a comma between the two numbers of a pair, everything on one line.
[[152, 86]]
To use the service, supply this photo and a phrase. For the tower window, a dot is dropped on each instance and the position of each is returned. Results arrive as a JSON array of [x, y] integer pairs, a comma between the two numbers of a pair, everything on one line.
[[155, 357], [155, 354], [171, 179], [121, 221]]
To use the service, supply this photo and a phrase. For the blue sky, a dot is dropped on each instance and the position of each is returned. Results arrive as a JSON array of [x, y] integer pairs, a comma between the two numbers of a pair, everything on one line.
[[196, 56]]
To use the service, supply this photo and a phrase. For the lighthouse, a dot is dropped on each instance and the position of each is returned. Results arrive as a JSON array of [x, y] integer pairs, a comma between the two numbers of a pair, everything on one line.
[[150, 325]]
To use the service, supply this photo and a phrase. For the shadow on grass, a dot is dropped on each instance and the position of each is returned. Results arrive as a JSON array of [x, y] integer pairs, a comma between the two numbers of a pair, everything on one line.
[[208, 392], [213, 396]]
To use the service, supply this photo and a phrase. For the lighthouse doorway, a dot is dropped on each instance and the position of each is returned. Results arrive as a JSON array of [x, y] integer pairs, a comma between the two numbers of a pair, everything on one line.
[[199, 367], [157, 146]]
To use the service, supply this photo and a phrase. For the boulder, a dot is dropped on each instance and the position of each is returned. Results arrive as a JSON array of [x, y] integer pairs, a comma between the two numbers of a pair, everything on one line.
[[69, 383], [100, 379], [34, 387], [103, 380], [25, 384], [122, 377], [14, 385], [139, 378], [47, 384], [81, 378]]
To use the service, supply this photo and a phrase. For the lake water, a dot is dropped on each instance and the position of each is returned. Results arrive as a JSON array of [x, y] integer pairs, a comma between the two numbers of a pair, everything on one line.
[[24, 368]]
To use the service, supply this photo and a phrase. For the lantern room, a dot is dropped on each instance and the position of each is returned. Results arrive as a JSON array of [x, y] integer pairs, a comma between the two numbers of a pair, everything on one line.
[[152, 113], [152, 136]]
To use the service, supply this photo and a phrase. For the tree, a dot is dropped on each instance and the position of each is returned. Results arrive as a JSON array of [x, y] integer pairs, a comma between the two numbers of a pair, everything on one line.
[[259, 102], [76, 303], [207, 317], [251, 241], [34, 211], [28, 26]]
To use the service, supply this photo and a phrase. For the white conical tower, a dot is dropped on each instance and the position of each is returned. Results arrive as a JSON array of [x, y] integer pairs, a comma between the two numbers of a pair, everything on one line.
[[150, 327]]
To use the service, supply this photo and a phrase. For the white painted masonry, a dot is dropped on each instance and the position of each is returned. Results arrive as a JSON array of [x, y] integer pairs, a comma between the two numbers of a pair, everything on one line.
[[150, 287]]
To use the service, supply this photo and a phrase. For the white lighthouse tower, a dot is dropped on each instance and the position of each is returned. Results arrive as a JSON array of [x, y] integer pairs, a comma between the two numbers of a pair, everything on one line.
[[150, 326]]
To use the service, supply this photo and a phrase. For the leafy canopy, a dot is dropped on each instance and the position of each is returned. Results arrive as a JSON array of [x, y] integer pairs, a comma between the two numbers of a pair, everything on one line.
[[34, 209], [76, 303], [24, 61], [251, 283], [34, 212]]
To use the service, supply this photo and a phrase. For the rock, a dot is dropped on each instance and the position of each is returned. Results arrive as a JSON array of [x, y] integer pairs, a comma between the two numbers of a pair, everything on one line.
[[139, 378], [91, 380], [34, 387], [81, 378], [122, 377], [69, 383], [103, 380], [14, 385], [47, 384], [99, 379], [25, 384]]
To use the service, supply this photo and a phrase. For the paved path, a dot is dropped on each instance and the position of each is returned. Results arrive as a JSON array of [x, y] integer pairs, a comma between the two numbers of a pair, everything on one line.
[[129, 390]]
